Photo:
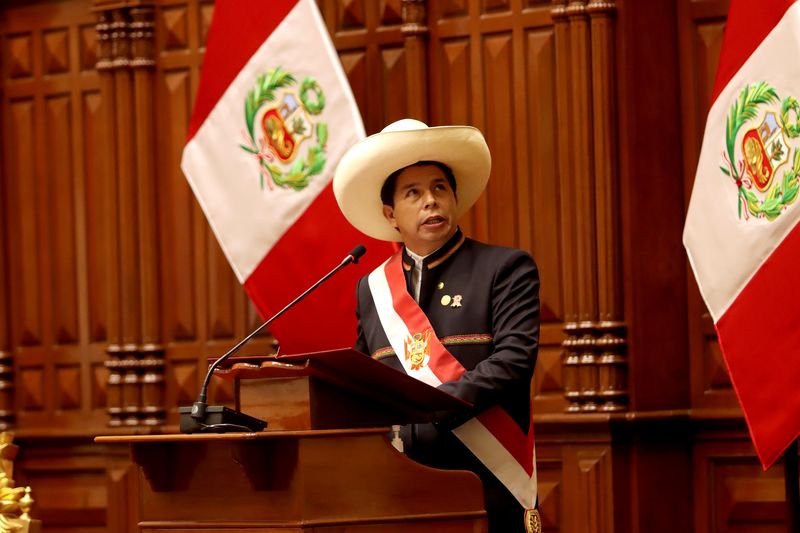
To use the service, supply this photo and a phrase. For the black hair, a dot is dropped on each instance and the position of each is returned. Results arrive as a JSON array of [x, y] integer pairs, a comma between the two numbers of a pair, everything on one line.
[[387, 190]]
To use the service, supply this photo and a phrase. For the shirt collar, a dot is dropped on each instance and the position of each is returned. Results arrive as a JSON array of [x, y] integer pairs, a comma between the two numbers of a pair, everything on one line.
[[436, 258]]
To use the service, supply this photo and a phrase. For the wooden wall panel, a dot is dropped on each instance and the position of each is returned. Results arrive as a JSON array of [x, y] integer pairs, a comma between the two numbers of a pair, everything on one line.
[[50, 104], [368, 38], [96, 193], [551, 497], [544, 193], [393, 74], [22, 207], [702, 25], [60, 187], [177, 207], [733, 493], [500, 225], [78, 486]]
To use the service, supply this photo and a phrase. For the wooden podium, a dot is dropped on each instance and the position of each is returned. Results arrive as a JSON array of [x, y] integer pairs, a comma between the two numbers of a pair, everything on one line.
[[313, 470]]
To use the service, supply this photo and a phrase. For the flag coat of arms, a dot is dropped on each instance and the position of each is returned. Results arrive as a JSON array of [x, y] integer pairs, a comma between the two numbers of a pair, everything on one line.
[[741, 232], [273, 116]]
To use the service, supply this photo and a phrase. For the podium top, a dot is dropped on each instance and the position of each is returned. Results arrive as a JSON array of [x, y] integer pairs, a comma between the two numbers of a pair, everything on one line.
[[351, 371]]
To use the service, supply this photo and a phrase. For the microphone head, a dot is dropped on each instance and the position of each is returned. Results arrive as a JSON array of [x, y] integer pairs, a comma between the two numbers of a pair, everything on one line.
[[357, 252]]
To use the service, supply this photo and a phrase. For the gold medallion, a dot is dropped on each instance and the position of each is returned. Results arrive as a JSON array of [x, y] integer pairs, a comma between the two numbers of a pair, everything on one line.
[[446, 300], [440, 286], [533, 522]]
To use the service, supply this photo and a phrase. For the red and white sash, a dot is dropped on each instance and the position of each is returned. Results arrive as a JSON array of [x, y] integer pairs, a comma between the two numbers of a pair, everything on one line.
[[493, 436]]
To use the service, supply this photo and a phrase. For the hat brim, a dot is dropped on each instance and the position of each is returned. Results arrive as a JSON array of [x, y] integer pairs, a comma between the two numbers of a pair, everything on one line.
[[364, 168]]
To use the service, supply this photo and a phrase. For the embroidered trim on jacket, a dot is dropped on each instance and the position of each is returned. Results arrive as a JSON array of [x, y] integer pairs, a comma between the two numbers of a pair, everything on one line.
[[476, 338]]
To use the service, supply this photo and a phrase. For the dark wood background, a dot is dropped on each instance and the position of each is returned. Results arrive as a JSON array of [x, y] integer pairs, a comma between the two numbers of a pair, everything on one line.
[[113, 291]]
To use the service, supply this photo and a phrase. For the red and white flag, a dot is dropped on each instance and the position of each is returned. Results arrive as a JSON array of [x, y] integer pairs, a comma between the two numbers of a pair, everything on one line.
[[273, 116], [741, 230]]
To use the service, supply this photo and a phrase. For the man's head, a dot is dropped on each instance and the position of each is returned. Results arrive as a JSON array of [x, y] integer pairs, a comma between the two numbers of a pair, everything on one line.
[[419, 201], [459, 154]]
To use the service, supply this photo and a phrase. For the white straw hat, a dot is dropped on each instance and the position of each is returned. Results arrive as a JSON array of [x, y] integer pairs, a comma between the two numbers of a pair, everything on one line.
[[365, 167]]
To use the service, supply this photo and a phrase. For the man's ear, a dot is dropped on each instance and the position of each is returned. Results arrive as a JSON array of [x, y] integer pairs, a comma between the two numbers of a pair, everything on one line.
[[388, 213]]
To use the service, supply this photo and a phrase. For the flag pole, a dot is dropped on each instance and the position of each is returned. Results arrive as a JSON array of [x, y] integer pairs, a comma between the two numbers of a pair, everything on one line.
[[791, 478]]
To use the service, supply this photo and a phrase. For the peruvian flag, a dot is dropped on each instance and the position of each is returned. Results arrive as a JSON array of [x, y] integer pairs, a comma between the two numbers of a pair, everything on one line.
[[741, 230], [273, 116]]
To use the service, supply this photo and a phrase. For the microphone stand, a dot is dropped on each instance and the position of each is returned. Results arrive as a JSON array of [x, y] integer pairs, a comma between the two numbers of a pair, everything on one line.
[[219, 419]]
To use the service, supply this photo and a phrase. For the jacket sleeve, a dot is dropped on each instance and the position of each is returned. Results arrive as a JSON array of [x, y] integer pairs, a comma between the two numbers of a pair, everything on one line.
[[515, 328]]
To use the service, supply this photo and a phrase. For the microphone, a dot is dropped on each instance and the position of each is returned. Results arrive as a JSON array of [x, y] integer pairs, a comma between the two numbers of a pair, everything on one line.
[[219, 419]]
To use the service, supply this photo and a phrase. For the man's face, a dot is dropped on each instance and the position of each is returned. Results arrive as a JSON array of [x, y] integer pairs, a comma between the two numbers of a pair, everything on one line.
[[424, 208]]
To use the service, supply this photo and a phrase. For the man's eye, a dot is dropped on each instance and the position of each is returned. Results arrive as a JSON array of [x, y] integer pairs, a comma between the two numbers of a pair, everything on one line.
[[411, 192]]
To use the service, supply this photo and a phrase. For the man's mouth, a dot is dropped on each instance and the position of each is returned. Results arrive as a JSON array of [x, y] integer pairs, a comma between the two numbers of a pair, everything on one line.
[[434, 220]]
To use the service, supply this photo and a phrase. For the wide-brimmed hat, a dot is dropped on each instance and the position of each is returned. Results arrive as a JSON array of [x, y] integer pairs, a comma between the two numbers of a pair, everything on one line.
[[363, 170]]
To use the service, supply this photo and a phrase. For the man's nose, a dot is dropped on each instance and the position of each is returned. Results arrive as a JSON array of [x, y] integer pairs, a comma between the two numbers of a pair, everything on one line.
[[430, 199]]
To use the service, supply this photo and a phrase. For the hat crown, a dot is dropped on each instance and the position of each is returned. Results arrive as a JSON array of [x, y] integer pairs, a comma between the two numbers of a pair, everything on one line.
[[406, 124]]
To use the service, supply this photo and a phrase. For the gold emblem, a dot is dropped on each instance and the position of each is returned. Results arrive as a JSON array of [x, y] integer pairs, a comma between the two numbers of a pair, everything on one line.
[[533, 522], [446, 300], [440, 286], [457, 300], [417, 349]]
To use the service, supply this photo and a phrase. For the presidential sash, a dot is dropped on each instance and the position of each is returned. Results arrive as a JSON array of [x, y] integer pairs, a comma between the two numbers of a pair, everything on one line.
[[492, 436]]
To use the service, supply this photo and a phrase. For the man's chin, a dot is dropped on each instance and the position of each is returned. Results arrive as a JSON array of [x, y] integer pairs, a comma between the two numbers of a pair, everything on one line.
[[436, 235]]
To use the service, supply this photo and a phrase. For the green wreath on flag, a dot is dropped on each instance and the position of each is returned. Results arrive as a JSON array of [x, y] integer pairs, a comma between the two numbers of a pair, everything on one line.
[[783, 192], [299, 174]]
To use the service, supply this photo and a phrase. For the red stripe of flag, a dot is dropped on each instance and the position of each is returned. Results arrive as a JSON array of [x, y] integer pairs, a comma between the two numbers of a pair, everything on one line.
[[238, 29], [748, 24], [326, 318], [760, 338]]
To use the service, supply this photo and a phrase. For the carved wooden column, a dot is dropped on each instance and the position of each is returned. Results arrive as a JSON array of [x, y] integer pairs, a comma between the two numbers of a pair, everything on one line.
[[594, 363], [104, 68], [151, 350], [583, 200], [611, 344], [571, 356], [127, 209], [136, 353], [415, 35]]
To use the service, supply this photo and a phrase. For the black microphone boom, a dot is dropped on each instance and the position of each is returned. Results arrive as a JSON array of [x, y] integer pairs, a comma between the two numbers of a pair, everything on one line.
[[217, 419]]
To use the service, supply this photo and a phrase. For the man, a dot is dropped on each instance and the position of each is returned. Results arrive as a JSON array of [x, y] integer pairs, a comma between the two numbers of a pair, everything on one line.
[[450, 311]]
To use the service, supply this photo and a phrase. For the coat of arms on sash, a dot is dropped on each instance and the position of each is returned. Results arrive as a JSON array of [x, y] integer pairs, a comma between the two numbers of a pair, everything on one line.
[[764, 162], [280, 118], [418, 353]]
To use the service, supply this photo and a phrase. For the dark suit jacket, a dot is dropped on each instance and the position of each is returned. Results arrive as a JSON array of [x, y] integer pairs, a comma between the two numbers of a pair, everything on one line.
[[494, 333]]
